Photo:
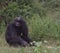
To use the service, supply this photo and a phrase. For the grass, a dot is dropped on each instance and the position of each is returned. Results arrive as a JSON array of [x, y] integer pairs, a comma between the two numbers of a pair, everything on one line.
[[15, 50], [41, 49], [48, 46]]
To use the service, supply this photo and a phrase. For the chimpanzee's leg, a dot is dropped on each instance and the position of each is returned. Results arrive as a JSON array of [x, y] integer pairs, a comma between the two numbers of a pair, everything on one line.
[[27, 39], [22, 42], [18, 41]]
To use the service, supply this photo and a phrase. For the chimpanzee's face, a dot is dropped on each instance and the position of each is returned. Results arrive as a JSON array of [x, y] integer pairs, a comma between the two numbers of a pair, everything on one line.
[[18, 22]]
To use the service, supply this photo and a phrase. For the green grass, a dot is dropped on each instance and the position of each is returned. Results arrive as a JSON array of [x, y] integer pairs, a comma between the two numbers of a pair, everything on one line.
[[44, 48], [15, 50], [48, 27], [41, 49]]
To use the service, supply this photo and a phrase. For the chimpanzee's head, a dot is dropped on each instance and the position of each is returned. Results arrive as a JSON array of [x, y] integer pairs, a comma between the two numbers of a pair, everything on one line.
[[19, 21]]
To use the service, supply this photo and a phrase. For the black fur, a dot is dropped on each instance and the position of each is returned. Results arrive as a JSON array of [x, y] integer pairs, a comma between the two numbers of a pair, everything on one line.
[[17, 33]]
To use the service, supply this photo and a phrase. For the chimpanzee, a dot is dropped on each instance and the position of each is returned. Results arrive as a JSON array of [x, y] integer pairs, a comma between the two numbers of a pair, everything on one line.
[[17, 33]]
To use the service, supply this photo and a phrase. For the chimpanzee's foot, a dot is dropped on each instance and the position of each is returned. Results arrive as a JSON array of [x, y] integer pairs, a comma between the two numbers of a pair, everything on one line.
[[32, 43], [24, 44]]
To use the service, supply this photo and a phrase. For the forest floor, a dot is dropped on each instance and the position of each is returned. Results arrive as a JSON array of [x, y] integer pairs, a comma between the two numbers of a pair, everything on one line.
[[42, 47]]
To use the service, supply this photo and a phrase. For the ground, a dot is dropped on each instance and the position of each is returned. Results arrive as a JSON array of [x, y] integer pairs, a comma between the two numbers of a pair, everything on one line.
[[43, 49], [50, 46]]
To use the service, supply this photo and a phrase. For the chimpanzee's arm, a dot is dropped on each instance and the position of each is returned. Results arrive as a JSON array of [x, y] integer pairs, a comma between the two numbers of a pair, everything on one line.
[[25, 34]]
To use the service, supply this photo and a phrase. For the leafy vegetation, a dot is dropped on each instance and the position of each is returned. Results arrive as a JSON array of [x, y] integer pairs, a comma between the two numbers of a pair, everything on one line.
[[38, 13], [39, 49], [43, 20]]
